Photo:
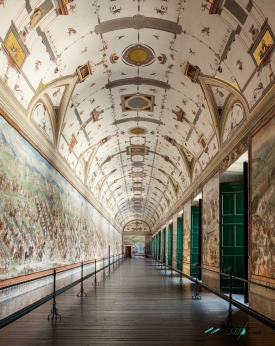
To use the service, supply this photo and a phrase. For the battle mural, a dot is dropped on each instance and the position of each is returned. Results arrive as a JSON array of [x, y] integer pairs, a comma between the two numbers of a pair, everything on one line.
[[263, 202], [211, 246], [44, 221]]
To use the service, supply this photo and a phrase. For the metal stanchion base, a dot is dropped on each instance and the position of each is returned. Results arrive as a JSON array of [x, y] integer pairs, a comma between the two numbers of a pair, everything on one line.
[[196, 293], [95, 283], [171, 275], [230, 323], [54, 313], [181, 284], [81, 293]]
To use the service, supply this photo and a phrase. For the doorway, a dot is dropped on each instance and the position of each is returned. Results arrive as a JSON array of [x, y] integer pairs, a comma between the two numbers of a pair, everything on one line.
[[232, 234], [163, 240], [128, 251], [170, 244], [179, 242]]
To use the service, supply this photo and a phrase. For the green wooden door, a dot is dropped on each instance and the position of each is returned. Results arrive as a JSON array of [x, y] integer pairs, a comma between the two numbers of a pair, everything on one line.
[[158, 245], [231, 234], [153, 247], [170, 244], [194, 244], [179, 243], [163, 241]]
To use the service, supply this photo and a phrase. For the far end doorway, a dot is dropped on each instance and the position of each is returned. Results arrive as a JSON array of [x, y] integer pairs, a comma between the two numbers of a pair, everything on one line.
[[128, 251]]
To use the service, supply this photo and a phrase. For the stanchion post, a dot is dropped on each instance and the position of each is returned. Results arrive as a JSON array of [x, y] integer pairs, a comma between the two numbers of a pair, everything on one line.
[[181, 281], [171, 274], [54, 311], [109, 261], [230, 319], [196, 293], [103, 275], [81, 293], [95, 281]]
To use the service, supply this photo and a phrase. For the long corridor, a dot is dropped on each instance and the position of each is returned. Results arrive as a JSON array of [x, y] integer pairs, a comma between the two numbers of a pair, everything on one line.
[[138, 304]]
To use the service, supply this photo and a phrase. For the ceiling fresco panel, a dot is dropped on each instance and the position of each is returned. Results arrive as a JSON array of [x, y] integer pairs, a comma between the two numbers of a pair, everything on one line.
[[138, 119]]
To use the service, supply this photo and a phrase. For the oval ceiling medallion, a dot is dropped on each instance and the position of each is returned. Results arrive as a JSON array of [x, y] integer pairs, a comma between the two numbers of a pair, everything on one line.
[[138, 55], [137, 164], [137, 131]]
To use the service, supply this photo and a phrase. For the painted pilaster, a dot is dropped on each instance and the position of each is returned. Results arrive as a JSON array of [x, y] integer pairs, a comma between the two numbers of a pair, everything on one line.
[[211, 232], [174, 249], [166, 245], [186, 237]]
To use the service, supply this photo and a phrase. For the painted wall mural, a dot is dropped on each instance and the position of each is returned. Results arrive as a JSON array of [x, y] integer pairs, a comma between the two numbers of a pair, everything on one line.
[[263, 202], [44, 221], [140, 244], [235, 153], [211, 218], [186, 231]]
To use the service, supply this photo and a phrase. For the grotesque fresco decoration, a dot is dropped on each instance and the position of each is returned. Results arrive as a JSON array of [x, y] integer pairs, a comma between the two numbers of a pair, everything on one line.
[[44, 221], [137, 225], [211, 222], [42, 118], [140, 244], [234, 118], [263, 201], [186, 231]]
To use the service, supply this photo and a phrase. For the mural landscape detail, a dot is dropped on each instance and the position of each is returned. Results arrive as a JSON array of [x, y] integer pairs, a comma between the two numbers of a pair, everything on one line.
[[44, 221], [263, 201]]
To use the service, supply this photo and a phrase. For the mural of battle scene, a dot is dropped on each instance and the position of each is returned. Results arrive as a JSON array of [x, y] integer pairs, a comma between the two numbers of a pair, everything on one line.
[[140, 244], [263, 202], [211, 222], [186, 231], [44, 221]]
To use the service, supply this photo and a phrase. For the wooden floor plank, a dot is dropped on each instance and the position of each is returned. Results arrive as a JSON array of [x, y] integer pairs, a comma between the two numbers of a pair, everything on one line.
[[136, 305]]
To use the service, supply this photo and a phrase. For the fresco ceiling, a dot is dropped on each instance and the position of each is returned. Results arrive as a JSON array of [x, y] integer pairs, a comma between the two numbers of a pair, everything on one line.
[[132, 94]]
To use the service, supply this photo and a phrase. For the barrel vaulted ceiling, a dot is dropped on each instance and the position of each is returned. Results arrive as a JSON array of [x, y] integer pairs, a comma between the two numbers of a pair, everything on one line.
[[137, 96]]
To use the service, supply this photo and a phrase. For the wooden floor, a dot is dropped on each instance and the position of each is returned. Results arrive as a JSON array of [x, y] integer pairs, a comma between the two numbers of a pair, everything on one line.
[[136, 305]]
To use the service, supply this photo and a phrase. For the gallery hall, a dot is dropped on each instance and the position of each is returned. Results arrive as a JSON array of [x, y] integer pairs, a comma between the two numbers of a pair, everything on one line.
[[137, 172]]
